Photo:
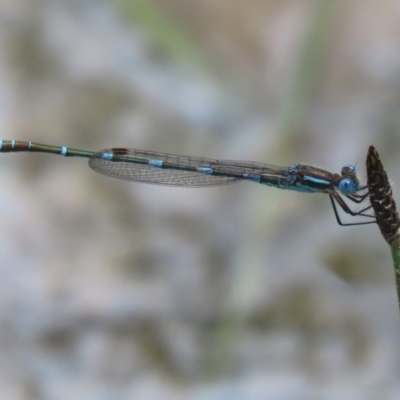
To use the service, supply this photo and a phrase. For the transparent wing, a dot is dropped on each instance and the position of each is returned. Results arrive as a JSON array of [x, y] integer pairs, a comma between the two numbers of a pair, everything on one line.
[[175, 170]]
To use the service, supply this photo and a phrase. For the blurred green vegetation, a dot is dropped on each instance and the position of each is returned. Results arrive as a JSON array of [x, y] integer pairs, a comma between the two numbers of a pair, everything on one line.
[[167, 38]]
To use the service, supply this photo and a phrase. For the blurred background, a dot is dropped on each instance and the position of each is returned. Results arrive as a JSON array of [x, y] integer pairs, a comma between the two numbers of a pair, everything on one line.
[[118, 290]]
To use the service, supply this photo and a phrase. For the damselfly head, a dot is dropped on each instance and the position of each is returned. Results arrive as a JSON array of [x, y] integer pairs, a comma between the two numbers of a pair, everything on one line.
[[348, 185], [349, 170]]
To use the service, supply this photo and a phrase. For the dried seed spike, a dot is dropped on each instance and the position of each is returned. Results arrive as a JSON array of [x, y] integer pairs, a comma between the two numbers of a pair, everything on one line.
[[381, 198]]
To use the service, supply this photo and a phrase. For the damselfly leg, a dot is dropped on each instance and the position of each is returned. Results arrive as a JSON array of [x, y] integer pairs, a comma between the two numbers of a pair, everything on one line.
[[335, 197]]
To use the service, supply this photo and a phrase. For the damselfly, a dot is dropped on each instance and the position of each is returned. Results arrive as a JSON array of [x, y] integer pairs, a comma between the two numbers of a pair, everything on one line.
[[186, 171]]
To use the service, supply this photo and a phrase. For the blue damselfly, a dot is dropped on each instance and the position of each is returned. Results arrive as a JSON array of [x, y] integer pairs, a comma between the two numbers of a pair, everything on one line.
[[186, 171]]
